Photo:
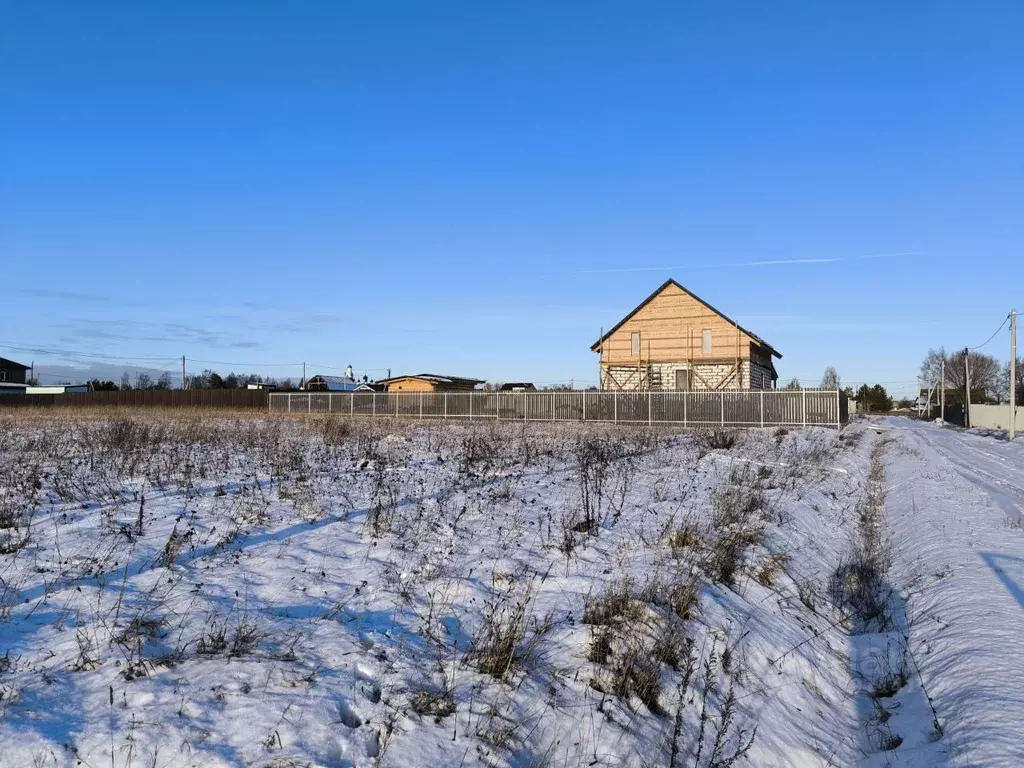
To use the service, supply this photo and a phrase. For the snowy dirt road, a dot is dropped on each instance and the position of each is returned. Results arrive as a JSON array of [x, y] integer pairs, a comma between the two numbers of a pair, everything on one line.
[[995, 467], [954, 512]]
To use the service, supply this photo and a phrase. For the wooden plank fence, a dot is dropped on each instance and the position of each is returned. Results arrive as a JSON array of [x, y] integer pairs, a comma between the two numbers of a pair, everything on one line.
[[168, 398], [725, 408]]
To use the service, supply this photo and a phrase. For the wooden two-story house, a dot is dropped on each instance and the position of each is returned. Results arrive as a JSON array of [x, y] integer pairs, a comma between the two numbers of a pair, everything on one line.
[[675, 340], [12, 372]]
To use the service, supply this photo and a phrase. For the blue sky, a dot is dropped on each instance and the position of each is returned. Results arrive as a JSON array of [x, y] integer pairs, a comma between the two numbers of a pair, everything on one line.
[[441, 186]]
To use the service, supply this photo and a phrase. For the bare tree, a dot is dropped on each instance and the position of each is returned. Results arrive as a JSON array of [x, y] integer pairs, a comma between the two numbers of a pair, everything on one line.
[[931, 367], [987, 380], [1004, 391], [794, 383], [830, 380]]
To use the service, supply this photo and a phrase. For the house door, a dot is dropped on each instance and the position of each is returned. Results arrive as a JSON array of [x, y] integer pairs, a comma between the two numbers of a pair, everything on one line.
[[682, 380]]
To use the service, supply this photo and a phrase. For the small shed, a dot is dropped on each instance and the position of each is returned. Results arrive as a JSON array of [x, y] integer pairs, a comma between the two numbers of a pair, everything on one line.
[[56, 389], [8, 388], [430, 382]]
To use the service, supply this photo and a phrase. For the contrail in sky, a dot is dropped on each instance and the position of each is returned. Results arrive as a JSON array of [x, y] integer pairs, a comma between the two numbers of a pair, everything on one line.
[[765, 263]]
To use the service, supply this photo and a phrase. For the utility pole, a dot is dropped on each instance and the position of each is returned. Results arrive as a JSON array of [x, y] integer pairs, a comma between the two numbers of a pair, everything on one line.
[[1013, 373], [967, 394], [302, 384], [183, 372], [942, 393]]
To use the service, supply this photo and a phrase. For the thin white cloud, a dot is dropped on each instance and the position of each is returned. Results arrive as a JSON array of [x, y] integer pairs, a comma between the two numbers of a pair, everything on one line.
[[761, 263]]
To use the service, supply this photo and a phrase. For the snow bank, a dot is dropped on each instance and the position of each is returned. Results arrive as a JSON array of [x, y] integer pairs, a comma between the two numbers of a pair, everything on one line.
[[277, 592]]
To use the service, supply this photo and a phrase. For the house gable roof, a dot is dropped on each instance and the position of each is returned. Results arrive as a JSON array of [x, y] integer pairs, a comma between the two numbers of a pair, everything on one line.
[[511, 386], [5, 363], [594, 347], [334, 383], [433, 377]]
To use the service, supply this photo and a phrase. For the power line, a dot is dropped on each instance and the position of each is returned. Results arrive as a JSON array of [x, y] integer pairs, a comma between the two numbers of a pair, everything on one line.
[[167, 364], [85, 378], [245, 365], [860, 381], [342, 367], [48, 375], [67, 353], [1005, 320]]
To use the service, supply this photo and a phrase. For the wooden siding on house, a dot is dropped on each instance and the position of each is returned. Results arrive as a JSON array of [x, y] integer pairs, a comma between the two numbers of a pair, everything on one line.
[[410, 385], [414, 384], [670, 327]]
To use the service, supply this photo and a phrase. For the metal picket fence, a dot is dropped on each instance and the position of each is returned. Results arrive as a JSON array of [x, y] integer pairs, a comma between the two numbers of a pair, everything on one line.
[[723, 408]]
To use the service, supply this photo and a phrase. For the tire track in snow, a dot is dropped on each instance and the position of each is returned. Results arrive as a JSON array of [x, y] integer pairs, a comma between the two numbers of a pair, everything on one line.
[[966, 458]]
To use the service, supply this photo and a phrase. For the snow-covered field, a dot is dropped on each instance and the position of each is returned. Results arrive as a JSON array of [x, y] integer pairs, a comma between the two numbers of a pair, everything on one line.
[[197, 590]]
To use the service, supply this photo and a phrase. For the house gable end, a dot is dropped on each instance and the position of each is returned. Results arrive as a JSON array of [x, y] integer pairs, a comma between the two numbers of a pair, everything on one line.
[[670, 287]]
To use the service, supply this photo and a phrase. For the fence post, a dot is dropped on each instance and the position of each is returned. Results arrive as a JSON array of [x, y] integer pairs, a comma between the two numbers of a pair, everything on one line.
[[686, 403], [803, 399], [552, 396], [584, 405], [839, 420], [762, 409], [397, 400], [289, 402], [421, 406], [445, 405], [615, 407], [309, 403], [373, 404], [470, 396], [351, 403], [722, 399], [649, 396]]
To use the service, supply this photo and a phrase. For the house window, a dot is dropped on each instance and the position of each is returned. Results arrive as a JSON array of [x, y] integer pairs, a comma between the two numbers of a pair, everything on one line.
[[682, 380], [3, 375], [705, 341], [634, 344]]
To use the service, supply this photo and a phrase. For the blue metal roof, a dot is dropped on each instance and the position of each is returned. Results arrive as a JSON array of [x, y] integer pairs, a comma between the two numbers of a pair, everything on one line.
[[336, 383]]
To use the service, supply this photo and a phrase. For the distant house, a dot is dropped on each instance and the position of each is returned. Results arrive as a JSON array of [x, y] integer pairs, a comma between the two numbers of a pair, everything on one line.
[[369, 387], [331, 384], [12, 372], [7, 388], [430, 382], [56, 389], [517, 386], [260, 385], [675, 340]]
